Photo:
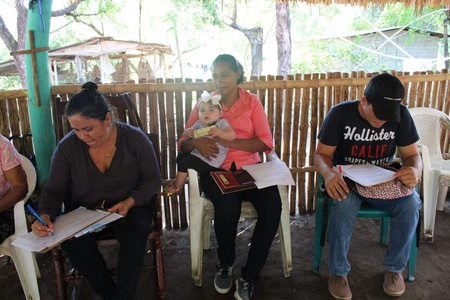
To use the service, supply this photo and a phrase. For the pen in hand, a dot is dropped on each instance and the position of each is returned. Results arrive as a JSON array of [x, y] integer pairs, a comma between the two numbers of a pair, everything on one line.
[[34, 213]]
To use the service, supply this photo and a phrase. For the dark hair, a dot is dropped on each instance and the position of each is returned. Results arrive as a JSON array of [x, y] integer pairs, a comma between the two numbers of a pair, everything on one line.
[[89, 103], [234, 64]]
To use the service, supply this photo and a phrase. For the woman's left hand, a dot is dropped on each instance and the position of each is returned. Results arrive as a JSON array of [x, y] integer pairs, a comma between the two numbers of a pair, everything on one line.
[[122, 207]]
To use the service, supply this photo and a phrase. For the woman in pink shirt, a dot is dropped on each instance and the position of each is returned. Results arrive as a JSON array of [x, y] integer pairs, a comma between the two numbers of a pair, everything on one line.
[[246, 115], [13, 185]]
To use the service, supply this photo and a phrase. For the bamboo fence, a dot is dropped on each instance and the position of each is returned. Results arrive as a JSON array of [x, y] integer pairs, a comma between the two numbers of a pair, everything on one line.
[[295, 107]]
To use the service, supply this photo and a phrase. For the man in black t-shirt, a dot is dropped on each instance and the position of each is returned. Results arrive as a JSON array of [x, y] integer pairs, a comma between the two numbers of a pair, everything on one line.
[[368, 131]]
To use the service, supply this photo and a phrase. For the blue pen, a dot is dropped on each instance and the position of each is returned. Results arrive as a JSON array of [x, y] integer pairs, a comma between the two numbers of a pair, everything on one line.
[[32, 211]]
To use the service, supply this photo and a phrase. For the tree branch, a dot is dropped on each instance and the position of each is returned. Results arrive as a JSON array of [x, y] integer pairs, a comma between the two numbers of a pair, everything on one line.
[[92, 26], [7, 37], [68, 9]]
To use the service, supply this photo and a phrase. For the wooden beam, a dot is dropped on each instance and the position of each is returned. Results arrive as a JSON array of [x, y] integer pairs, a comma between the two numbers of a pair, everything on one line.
[[32, 51]]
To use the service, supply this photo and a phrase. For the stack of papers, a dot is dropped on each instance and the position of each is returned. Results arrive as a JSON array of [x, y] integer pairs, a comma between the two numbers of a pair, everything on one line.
[[274, 172], [74, 223], [366, 174]]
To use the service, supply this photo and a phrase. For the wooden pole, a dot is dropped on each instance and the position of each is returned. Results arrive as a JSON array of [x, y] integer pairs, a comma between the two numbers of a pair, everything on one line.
[[32, 52]]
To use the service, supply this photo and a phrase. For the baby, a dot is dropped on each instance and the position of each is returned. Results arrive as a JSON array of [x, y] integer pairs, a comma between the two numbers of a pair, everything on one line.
[[209, 125]]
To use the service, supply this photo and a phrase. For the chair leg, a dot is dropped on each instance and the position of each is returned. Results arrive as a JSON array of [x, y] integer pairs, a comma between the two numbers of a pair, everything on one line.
[[36, 267], [442, 195], [23, 259], [58, 274], [196, 239], [285, 238], [206, 232], [318, 248], [412, 259], [384, 226], [159, 264], [429, 206]]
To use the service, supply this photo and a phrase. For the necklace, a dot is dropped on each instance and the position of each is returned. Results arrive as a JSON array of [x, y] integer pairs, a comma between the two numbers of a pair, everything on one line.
[[108, 153], [108, 150]]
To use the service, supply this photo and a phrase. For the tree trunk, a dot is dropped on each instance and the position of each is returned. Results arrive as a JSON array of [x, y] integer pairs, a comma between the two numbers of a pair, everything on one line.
[[19, 44], [255, 37], [283, 34], [446, 20]]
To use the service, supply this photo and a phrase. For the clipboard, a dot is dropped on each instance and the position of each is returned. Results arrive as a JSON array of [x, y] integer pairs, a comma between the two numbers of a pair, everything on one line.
[[66, 226]]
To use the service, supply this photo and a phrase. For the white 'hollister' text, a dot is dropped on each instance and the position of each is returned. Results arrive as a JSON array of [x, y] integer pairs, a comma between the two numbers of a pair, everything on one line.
[[367, 135]]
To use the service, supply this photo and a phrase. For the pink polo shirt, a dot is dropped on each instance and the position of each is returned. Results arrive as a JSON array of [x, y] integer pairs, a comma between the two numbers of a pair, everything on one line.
[[248, 119], [9, 158]]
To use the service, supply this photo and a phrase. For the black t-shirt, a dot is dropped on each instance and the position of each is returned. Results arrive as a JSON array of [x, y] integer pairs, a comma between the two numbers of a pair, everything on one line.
[[358, 142]]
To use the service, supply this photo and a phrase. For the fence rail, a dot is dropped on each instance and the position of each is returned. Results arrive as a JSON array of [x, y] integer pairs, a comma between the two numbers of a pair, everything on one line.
[[295, 107]]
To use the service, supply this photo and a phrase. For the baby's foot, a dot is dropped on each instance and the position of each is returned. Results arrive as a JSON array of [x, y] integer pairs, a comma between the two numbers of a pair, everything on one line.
[[171, 190]]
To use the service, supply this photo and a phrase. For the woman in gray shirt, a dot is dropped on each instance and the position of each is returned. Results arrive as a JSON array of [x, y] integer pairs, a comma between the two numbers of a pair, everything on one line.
[[108, 164]]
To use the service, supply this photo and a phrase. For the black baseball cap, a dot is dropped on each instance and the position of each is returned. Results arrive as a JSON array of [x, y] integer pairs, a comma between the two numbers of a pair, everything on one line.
[[385, 92]]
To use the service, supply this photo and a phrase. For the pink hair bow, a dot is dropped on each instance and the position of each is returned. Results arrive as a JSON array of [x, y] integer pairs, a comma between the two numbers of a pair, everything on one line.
[[215, 100]]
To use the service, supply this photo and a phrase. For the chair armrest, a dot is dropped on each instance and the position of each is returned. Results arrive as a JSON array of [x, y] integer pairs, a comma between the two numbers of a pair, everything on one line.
[[20, 219], [425, 157], [445, 121]]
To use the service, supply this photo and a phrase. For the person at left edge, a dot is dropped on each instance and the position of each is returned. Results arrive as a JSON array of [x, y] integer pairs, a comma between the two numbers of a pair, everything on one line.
[[101, 160], [13, 185]]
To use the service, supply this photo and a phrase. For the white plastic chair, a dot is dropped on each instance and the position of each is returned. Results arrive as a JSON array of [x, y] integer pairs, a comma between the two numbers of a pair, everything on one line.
[[436, 170], [24, 260], [201, 213]]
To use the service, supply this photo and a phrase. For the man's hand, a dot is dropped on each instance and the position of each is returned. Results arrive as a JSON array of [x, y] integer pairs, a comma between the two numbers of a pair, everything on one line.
[[408, 176], [336, 186]]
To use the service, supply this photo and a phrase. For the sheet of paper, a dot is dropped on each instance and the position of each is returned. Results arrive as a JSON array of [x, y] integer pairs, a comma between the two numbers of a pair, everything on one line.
[[270, 173], [98, 225], [66, 226], [367, 174]]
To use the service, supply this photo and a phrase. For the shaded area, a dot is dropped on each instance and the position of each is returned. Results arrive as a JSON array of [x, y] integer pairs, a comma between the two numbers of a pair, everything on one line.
[[366, 257]]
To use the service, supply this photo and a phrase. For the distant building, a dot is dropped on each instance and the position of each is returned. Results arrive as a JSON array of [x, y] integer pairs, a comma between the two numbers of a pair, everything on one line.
[[394, 48], [103, 59]]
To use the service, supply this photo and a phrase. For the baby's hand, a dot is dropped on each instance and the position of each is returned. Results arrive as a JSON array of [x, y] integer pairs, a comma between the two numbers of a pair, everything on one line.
[[215, 132], [189, 133]]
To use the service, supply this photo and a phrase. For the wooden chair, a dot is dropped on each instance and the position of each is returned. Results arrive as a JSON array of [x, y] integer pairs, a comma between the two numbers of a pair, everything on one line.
[[124, 110]]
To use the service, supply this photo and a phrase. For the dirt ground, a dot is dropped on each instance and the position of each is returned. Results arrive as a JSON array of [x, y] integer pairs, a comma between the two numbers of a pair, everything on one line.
[[366, 276]]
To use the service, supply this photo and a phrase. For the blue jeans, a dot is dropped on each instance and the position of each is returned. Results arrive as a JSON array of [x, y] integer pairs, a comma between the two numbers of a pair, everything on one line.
[[341, 220]]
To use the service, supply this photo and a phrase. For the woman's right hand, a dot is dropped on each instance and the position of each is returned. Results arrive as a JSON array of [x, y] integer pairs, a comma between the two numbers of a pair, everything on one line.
[[39, 229], [206, 146]]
